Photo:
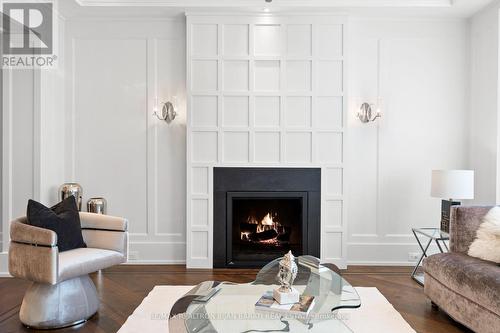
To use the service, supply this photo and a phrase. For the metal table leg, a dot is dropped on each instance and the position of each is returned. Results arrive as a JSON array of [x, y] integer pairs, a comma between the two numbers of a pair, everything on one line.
[[445, 245], [439, 246], [424, 255]]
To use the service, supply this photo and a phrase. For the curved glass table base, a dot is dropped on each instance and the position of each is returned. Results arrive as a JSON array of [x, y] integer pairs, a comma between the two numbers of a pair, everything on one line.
[[228, 307]]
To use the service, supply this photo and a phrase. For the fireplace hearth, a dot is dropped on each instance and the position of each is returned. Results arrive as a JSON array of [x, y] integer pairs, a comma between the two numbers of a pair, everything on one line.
[[261, 213]]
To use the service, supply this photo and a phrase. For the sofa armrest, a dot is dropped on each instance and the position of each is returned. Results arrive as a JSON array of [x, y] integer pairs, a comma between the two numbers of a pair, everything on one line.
[[103, 222], [24, 233], [464, 222], [105, 232]]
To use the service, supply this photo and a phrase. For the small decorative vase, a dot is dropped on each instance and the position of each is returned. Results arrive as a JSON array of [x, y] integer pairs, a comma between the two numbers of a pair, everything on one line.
[[74, 189], [96, 205]]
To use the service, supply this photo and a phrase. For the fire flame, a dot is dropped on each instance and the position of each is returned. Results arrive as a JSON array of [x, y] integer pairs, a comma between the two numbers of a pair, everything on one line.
[[268, 222]]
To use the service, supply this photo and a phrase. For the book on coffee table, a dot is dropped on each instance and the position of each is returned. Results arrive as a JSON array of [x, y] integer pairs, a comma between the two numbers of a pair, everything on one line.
[[302, 307]]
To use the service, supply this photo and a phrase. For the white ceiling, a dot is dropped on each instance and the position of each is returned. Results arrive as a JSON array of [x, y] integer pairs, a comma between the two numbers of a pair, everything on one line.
[[404, 8]]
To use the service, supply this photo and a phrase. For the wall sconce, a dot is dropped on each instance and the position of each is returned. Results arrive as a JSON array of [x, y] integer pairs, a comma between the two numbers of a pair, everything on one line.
[[167, 112], [366, 113]]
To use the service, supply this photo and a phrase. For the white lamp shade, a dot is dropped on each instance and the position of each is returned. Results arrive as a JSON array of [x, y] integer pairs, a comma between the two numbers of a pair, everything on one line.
[[452, 184]]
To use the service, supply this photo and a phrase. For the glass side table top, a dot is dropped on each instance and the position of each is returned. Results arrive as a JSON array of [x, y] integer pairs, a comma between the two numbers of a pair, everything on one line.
[[229, 307], [434, 233]]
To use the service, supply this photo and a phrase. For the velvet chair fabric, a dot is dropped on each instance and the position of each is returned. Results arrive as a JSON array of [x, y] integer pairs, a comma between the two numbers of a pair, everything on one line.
[[25, 233], [464, 222], [33, 263], [467, 288]]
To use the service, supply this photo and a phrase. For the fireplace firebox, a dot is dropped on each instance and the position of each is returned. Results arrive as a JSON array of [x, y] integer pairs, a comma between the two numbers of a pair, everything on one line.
[[261, 213]]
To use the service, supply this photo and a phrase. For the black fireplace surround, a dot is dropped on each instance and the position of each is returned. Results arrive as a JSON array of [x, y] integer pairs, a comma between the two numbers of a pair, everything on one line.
[[261, 213]]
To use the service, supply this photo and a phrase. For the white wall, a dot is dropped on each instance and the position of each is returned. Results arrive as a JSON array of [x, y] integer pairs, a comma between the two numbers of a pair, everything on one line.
[[32, 137], [424, 93], [51, 122], [484, 120], [20, 88], [115, 147], [1, 148]]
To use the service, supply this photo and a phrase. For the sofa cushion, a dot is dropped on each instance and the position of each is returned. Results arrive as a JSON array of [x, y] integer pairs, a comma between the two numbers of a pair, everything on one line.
[[62, 218], [487, 243], [475, 279], [83, 261]]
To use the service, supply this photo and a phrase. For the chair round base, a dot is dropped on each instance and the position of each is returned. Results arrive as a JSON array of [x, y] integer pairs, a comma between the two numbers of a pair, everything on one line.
[[67, 303], [79, 322]]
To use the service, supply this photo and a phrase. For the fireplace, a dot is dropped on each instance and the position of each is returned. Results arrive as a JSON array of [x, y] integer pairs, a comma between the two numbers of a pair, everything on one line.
[[264, 225], [261, 213]]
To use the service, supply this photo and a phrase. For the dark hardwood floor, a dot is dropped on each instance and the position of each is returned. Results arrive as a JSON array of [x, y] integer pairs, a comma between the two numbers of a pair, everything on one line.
[[122, 289]]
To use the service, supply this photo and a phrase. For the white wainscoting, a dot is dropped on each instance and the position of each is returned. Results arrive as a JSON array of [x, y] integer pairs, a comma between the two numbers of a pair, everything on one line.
[[116, 147], [420, 70], [265, 91], [20, 144], [32, 120]]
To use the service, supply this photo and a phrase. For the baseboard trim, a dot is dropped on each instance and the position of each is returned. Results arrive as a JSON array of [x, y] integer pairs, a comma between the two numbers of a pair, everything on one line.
[[380, 263], [155, 262], [384, 253], [4, 265]]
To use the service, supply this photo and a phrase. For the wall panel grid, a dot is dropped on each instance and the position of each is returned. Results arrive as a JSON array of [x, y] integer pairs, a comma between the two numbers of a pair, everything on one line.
[[265, 91]]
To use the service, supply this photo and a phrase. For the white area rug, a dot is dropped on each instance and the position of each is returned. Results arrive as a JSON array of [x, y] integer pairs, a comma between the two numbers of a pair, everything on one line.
[[376, 314]]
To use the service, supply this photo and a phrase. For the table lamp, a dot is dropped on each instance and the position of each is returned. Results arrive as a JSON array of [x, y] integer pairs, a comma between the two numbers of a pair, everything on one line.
[[449, 185]]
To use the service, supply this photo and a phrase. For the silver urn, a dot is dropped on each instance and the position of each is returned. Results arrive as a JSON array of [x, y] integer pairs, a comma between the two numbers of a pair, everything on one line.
[[97, 205], [71, 189]]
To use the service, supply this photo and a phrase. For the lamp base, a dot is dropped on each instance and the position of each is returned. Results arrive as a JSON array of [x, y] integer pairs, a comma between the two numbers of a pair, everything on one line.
[[445, 213]]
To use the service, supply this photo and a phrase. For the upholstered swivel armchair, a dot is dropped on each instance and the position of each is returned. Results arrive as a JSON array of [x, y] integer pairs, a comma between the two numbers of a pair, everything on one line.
[[62, 294]]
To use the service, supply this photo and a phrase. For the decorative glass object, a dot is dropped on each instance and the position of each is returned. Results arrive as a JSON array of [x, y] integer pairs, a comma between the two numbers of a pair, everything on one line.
[[74, 189], [97, 205]]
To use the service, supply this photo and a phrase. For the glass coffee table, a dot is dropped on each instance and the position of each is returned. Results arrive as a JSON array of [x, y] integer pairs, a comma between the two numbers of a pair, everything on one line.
[[228, 307]]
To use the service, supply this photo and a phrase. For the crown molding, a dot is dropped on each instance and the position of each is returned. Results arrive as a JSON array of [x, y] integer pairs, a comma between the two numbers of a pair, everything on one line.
[[331, 13], [281, 3]]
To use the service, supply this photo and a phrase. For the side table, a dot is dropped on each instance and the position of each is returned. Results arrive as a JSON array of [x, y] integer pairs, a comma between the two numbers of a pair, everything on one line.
[[433, 234]]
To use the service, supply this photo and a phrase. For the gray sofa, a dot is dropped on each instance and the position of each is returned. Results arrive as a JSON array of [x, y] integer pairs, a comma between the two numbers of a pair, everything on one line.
[[467, 288]]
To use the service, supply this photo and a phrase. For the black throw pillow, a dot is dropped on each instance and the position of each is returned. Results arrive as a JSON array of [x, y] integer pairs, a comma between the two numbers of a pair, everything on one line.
[[63, 219]]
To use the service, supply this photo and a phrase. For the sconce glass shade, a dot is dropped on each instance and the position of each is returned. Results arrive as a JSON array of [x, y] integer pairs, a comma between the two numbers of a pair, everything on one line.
[[366, 114], [167, 112], [452, 184]]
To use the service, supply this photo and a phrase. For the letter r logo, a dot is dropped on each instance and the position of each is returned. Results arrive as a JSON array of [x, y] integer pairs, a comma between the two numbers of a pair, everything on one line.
[[27, 28]]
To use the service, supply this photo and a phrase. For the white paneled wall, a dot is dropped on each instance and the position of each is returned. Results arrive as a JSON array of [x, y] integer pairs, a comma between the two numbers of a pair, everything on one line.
[[21, 170], [420, 68], [116, 148], [265, 91]]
